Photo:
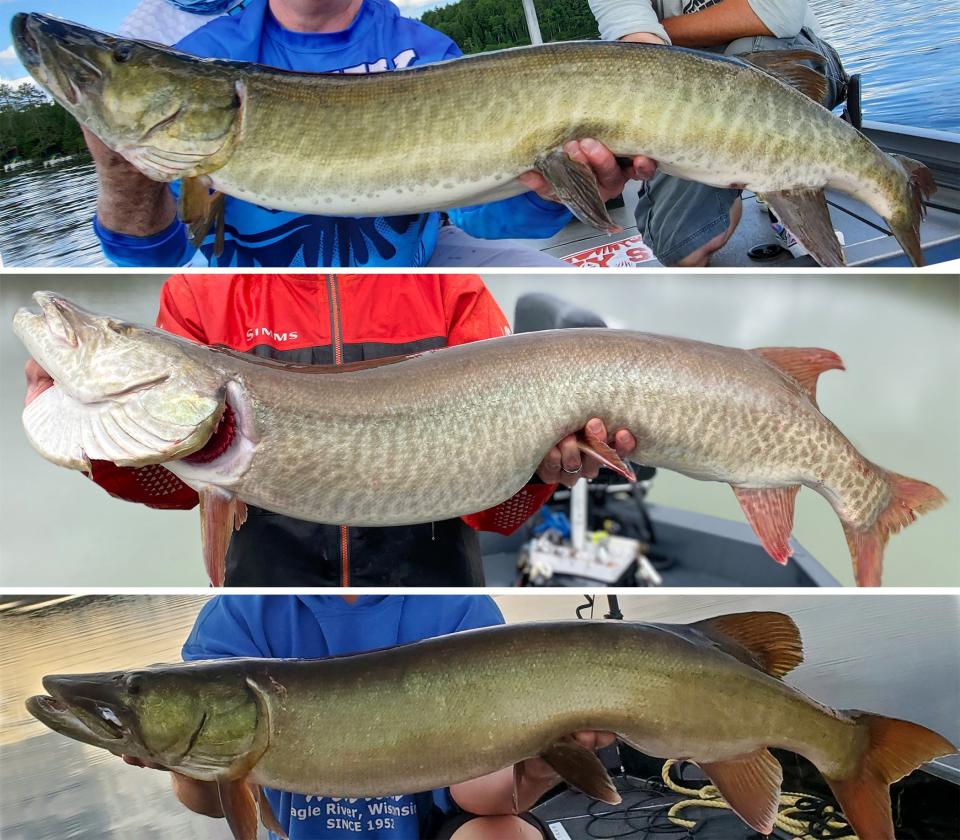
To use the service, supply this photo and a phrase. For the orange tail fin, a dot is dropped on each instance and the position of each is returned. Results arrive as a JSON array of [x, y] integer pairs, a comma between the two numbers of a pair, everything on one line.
[[910, 499], [905, 223], [895, 749]]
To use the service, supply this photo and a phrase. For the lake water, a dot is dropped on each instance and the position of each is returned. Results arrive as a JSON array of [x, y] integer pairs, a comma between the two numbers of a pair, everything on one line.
[[866, 651], [907, 50]]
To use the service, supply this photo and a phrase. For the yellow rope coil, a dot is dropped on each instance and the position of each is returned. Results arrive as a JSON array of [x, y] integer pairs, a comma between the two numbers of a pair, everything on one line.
[[709, 797]]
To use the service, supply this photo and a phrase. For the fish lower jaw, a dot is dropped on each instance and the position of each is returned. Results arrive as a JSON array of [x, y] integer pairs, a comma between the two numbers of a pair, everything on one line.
[[226, 469]]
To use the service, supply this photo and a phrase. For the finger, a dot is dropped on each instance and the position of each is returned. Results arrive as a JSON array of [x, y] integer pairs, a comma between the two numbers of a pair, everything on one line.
[[574, 151], [549, 469], [624, 442], [570, 454], [604, 739], [643, 168], [596, 429], [604, 165], [535, 182]]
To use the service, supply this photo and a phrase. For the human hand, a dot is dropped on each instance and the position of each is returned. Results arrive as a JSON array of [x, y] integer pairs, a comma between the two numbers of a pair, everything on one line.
[[537, 770], [611, 177], [564, 465], [38, 380]]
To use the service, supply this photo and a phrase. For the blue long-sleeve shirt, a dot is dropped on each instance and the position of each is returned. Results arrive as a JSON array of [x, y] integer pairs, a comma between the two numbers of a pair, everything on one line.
[[378, 39], [318, 626]]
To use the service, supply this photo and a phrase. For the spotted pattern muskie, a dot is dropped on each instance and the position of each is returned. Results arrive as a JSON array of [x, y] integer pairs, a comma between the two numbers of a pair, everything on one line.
[[457, 707], [451, 432], [460, 132]]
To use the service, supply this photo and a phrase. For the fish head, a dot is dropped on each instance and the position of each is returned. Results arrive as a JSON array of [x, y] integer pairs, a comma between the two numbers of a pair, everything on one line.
[[123, 393], [170, 114], [202, 721]]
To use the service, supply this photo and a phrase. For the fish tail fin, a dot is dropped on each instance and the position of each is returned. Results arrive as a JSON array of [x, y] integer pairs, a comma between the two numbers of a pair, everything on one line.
[[905, 222], [908, 499], [894, 749]]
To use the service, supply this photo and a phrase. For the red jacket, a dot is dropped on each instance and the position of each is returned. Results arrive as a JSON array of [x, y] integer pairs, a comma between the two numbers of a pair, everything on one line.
[[324, 319]]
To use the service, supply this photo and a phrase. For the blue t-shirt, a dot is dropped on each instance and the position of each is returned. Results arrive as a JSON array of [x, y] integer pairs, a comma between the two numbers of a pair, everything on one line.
[[378, 39], [317, 626]]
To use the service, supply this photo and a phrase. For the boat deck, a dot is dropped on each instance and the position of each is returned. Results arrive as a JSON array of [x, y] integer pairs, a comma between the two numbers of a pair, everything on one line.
[[867, 241]]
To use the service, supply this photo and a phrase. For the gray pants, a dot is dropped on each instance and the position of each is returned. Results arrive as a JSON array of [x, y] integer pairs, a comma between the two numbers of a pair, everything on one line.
[[675, 216]]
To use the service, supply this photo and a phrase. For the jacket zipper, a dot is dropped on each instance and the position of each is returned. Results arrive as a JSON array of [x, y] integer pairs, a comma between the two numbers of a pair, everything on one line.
[[336, 338]]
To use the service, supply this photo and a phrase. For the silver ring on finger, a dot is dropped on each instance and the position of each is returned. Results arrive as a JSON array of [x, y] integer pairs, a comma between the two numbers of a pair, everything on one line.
[[571, 472]]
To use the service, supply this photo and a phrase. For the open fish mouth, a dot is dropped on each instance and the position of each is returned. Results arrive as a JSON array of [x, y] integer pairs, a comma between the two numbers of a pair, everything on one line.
[[84, 719]]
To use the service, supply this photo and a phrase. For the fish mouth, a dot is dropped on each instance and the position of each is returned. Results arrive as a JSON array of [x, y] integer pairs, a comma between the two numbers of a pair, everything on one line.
[[83, 719], [57, 53], [90, 704]]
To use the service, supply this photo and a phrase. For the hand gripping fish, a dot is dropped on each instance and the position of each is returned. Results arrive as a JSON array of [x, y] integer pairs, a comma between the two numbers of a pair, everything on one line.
[[454, 431], [361, 726], [460, 132]]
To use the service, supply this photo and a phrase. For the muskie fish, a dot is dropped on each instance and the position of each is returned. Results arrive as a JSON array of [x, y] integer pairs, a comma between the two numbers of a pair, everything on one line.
[[462, 131], [454, 431], [710, 692]]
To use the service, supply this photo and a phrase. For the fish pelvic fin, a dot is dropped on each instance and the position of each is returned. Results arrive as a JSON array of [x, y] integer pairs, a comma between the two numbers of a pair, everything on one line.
[[751, 786], [895, 749], [909, 499], [768, 641], [220, 514], [805, 213], [803, 364], [576, 186], [769, 510], [605, 454], [905, 223], [239, 807], [580, 768]]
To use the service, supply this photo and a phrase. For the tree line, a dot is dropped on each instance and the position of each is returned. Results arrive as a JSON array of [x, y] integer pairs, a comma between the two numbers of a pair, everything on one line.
[[34, 128], [480, 25]]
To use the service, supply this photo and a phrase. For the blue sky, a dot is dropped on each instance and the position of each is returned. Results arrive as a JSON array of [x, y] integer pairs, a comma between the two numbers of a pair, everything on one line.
[[106, 16]]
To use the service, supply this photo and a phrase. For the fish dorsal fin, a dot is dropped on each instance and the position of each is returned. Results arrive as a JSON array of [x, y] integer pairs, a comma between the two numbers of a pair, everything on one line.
[[803, 364], [279, 364], [768, 641], [751, 786], [785, 66]]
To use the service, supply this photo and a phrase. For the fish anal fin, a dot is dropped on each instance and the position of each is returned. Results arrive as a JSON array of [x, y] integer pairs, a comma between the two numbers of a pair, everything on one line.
[[219, 516], [769, 510], [769, 641], [576, 186], [805, 213], [239, 807], [267, 818], [786, 66], [597, 447], [804, 364], [751, 786], [580, 768]]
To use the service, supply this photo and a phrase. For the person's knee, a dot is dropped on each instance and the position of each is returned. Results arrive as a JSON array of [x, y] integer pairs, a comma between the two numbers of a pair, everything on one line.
[[505, 827], [700, 258]]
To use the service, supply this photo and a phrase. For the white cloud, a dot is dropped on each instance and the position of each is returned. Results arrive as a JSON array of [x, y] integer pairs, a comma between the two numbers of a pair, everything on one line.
[[8, 54]]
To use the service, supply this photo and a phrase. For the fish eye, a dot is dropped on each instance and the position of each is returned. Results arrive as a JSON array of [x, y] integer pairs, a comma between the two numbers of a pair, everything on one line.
[[122, 52]]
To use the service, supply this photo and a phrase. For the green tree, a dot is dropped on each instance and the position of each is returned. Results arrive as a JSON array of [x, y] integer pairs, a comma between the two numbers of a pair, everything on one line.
[[34, 128]]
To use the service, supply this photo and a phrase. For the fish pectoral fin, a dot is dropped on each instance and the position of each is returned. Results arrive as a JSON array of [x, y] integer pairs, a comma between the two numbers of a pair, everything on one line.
[[219, 515], [200, 210], [803, 364], [580, 768], [804, 212], [769, 510], [267, 818], [786, 66], [239, 807], [768, 641], [605, 454], [751, 786], [576, 186]]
